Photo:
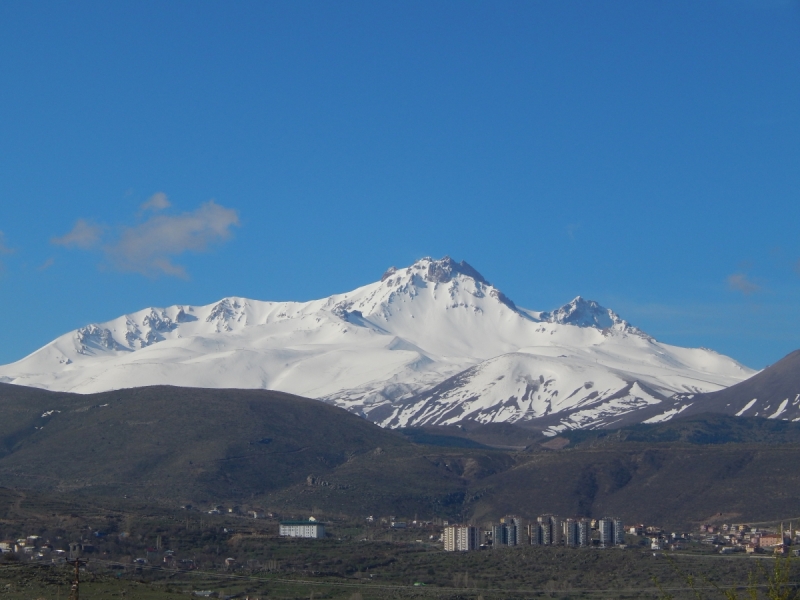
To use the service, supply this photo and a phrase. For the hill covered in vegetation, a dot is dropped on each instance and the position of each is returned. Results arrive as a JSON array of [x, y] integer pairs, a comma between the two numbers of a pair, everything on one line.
[[183, 445]]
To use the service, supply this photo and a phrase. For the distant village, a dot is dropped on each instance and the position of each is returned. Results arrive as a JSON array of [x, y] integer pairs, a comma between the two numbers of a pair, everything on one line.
[[579, 532], [610, 532], [547, 530]]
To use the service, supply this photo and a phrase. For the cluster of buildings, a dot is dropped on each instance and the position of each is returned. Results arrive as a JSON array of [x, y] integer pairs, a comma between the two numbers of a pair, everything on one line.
[[35, 547], [552, 530], [745, 538], [546, 530]]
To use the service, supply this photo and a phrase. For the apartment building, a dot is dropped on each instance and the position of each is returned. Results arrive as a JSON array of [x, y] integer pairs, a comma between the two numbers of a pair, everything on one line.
[[461, 538]]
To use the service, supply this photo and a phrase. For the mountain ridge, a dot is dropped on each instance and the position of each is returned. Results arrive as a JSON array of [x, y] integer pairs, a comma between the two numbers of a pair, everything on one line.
[[381, 349], [773, 393]]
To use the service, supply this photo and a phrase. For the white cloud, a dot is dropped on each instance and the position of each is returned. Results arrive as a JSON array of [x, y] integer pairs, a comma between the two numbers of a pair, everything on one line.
[[740, 283], [84, 235], [148, 248], [156, 202]]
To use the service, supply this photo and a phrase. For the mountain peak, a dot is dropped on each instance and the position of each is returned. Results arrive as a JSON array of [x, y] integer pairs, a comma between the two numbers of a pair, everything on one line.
[[445, 269], [585, 313], [439, 271]]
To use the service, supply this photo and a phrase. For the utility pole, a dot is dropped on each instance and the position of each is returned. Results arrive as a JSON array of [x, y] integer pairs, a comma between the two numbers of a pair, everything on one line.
[[76, 581]]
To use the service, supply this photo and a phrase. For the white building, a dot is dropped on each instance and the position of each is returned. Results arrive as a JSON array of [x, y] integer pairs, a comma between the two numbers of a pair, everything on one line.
[[460, 538], [302, 529], [655, 544]]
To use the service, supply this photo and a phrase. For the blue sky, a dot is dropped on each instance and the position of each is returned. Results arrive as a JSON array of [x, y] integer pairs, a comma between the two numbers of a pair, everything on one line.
[[642, 154]]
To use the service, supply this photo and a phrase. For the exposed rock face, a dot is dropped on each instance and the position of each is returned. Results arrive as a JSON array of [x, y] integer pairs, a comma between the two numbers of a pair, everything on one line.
[[588, 313], [442, 271], [225, 313], [583, 313], [93, 337]]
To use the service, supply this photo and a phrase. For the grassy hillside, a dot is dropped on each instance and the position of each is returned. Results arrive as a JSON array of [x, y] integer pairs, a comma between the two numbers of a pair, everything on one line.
[[507, 436], [678, 474], [175, 442], [291, 454], [705, 468], [702, 429], [203, 446]]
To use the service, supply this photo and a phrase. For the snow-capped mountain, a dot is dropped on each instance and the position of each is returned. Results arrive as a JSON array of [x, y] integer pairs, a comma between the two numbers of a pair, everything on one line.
[[433, 343], [774, 393]]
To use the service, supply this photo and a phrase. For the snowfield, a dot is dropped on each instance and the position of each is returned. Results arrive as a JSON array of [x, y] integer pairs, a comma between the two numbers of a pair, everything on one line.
[[433, 343]]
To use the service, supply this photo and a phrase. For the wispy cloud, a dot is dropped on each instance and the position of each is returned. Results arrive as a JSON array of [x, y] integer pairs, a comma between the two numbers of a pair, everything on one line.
[[156, 202], [740, 283], [150, 247], [46, 264], [83, 235]]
